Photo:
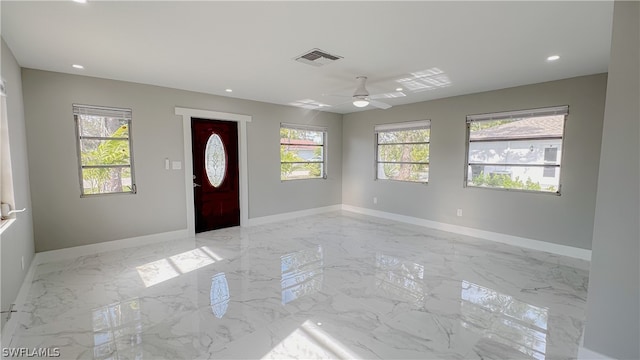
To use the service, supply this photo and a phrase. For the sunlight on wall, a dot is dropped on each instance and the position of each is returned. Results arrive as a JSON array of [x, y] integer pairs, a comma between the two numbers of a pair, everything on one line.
[[158, 271], [309, 341]]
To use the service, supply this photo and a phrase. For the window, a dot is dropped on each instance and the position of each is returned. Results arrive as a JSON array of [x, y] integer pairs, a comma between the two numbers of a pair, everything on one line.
[[516, 150], [302, 152], [215, 160], [6, 175], [105, 154], [402, 151]]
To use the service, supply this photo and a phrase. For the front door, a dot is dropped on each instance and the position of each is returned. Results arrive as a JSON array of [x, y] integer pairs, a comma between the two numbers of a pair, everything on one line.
[[215, 174]]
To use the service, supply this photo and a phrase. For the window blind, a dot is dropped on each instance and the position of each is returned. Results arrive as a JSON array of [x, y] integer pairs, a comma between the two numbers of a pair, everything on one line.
[[403, 126], [303, 127], [519, 114], [102, 111]]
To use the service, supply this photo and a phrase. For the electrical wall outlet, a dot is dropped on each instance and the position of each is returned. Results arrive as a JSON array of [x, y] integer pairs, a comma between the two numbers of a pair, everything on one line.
[[459, 212], [375, 200]]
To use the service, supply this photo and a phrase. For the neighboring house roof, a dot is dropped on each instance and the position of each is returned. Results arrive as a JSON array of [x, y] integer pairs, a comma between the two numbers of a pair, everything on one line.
[[302, 144], [538, 127]]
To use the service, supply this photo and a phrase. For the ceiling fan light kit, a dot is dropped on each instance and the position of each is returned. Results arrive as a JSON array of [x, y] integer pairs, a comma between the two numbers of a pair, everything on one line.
[[361, 95], [360, 102]]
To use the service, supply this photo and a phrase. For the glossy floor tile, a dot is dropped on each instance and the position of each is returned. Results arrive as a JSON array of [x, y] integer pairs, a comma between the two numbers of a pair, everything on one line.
[[337, 285]]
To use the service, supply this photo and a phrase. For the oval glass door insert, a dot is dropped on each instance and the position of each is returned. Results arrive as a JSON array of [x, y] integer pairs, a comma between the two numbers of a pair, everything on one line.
[[215, 160]]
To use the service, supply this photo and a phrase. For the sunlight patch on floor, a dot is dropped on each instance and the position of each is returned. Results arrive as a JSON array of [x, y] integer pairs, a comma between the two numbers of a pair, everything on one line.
[[309, 341], [159, 271]]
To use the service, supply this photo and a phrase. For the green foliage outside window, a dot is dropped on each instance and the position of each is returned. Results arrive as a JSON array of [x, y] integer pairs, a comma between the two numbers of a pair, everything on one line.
[[292, 164], [506, 182], [286, 159], [404, 155], [481, 125], [105, 153]]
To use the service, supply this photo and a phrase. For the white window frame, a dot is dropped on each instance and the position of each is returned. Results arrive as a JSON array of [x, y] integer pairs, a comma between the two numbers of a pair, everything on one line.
[[117, 113], [7, 195], [302, 127], [519, 114], [401, 126]]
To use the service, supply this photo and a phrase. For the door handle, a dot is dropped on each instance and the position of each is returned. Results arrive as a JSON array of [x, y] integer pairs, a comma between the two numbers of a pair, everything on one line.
[[196, 185]]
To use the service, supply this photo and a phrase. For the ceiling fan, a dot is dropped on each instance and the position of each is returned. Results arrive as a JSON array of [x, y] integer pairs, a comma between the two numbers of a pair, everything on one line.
[[362, 98]]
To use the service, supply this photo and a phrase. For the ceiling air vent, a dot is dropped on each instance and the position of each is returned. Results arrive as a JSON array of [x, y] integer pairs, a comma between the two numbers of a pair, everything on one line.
[[317, 57]]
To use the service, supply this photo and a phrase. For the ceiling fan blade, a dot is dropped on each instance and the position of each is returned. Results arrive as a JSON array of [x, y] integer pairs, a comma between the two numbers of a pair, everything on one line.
[[389, 95], [379, 104], [337, 95]]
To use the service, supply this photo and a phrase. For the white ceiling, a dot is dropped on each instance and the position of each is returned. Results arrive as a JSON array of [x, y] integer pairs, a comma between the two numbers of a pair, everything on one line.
[[447, 48]]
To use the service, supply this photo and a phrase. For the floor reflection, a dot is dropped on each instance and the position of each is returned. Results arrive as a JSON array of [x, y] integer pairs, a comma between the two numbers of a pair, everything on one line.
[[504, 319], [400, 278], [302, 273], [117, 331], [219, 295]]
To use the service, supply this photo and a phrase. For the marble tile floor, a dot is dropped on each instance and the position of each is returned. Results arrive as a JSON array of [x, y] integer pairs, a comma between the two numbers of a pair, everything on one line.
[[337, 285]]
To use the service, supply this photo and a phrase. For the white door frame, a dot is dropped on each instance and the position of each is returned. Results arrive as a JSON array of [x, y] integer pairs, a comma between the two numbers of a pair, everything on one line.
[[242, 120]]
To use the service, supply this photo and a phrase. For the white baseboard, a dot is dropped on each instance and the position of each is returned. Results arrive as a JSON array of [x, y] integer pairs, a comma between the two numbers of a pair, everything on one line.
[[72, 252], [292, 215], [487, 235], [586, 354]]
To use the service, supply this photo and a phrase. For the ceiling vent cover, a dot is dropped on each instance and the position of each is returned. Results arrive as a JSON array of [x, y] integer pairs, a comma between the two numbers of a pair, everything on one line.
[[317, 57]]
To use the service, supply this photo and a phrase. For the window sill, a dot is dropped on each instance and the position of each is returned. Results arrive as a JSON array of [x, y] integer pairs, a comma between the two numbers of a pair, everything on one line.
[[313, 178], [555, 193], [5, 224], [404, 181]]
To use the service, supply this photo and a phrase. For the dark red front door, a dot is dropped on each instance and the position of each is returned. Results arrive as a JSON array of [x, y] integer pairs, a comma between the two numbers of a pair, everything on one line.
[[215, 174]]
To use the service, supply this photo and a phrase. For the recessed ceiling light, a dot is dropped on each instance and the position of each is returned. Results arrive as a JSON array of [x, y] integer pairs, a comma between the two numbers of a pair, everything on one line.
[[553, 58], [80, 1], [398, 89], [76, 66], [228, 90]]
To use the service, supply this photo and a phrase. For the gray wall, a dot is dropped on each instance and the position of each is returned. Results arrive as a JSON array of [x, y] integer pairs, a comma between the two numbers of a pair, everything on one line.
[[613, 303], [62, 219], [565, 220], [16, 241]]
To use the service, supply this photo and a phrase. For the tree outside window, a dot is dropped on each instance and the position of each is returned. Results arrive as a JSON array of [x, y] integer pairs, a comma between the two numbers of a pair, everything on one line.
[[104, 145]]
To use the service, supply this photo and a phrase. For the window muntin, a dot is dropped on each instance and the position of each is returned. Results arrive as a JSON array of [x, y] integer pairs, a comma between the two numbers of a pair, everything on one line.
[[519, 150], [105, 156], [302, 152], [402, 151]]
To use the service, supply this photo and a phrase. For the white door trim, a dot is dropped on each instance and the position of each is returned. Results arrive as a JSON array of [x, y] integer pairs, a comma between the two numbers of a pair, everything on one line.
[[242, 120]]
